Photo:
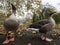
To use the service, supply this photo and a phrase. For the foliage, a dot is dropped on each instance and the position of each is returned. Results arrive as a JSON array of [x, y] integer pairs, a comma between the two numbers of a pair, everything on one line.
[[35, 18], [43, 14], [2, 17], [34, 6], [57, 17]]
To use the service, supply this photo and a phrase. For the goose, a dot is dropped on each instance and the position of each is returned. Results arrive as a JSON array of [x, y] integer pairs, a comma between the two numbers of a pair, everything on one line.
[[44, 26], [11, 25]]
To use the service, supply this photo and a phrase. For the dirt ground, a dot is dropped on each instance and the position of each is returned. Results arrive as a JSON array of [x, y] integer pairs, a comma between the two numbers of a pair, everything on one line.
[[28, 38]]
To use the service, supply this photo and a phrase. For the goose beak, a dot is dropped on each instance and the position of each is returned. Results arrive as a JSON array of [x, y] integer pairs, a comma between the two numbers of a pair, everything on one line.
[[54, 12]]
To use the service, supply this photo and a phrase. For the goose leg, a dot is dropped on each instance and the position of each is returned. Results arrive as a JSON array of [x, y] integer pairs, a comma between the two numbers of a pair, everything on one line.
[[9, 37], [48, 39], [6, 40], [44, 37]]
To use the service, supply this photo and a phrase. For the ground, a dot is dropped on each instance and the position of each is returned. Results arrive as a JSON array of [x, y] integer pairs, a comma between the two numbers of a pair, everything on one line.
[[27, 37]]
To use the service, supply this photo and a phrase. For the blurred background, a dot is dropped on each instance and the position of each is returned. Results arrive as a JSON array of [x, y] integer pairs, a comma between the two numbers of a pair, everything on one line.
[[33, 9]]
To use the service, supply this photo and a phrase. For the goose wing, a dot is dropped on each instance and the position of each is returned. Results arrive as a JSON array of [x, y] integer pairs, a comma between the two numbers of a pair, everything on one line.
[[43, 22], [39, 24], [45, 28]]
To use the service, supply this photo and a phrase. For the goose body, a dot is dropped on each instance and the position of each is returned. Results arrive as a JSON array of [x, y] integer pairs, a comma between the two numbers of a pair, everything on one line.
[[11, 23], [44, 25]]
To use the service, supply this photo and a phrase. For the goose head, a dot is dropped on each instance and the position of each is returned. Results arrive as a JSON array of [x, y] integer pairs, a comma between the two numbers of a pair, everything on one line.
[[50, 14]]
